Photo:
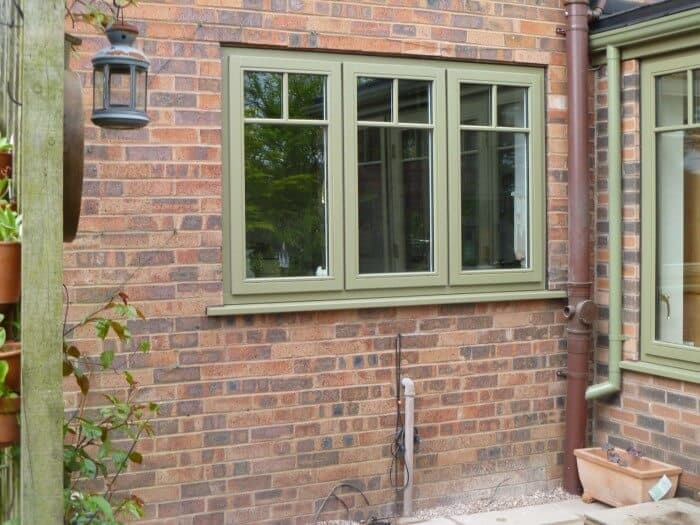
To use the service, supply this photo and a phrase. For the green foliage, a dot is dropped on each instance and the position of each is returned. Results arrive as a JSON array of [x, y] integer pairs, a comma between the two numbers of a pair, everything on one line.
[[5, 145], [100, 443], [10, 224], [98, 13]]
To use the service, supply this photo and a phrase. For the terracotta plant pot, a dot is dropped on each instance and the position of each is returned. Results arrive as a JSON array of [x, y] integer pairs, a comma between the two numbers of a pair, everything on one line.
[[5, 165], [12, 353], [616, 485], [10, 272], [9, 426]]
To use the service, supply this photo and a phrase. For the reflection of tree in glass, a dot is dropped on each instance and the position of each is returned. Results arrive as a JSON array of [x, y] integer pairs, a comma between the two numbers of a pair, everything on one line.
[[284, 176], [262, 94]]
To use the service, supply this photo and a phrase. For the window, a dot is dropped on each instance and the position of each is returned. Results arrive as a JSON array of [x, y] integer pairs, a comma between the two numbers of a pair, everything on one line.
[[671, 216], [363, 180]]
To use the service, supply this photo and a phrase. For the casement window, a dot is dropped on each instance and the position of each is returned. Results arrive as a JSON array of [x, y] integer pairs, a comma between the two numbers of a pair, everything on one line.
[[352, 180], [670, 309]]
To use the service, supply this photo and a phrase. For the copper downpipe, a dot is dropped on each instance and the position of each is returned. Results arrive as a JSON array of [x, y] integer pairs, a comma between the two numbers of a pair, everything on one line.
[[579, 285]]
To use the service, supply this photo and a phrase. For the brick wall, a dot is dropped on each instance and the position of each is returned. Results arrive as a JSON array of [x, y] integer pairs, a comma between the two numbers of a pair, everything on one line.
[[660, 416], [263, 415]]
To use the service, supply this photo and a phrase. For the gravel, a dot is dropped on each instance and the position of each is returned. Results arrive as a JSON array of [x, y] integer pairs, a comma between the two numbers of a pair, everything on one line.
[[496, 503]]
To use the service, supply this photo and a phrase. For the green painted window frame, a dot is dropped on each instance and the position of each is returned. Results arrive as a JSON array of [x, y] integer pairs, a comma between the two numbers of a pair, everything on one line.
[[438, 277], [344, 287], [654, 351], [496, 76]]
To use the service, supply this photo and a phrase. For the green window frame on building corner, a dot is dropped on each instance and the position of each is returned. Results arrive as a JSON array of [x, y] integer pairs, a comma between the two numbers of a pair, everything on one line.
[[670, 322], [361, 181]]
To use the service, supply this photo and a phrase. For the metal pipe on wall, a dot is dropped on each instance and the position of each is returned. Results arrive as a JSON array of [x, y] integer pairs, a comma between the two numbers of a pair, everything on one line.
[[579, 285], [615, 335], [409, 394]]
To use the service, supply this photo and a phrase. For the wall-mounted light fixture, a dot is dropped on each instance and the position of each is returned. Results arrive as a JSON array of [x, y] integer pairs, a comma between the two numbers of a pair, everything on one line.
[[120, 79]]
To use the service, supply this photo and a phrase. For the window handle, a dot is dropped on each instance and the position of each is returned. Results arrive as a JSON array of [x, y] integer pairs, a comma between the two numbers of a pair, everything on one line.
[[666, 298]]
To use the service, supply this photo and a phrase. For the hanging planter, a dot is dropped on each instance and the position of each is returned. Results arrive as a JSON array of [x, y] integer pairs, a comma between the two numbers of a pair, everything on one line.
[[12, 354], [10, 275], [73, 143]]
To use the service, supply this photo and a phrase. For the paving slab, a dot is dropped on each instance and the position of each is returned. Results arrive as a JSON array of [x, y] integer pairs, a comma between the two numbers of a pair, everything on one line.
[[676, 511]]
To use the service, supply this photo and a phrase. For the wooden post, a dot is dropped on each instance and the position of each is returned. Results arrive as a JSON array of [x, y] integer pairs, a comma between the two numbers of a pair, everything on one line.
[[41, 200]]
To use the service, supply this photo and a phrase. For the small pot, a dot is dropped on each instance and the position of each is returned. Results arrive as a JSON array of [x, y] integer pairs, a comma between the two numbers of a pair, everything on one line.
[[5, 165], [12, 353], [10, 275], [9, 425]]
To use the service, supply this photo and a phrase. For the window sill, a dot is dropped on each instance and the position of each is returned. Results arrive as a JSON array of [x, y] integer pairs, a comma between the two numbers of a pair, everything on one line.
[[669, 372], [381, 302]]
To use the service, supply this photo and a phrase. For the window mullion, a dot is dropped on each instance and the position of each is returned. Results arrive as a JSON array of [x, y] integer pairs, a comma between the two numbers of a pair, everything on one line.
[[285, 97]]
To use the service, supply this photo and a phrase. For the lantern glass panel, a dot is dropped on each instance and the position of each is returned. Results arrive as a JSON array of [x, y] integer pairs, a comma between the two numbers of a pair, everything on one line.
[[141, 89], [98, 101], [119, 86]]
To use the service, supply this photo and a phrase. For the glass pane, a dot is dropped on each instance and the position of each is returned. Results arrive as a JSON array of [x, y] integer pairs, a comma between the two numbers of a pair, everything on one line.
[[414, 101], [512, 106], [494, 200], [672, 99], [141, 89], [119, 87], [99, 94], [263, 94], [394, 196], [696, 95], [285, 200], [374, 99], [307, 96], [677, 238], [476, 104]]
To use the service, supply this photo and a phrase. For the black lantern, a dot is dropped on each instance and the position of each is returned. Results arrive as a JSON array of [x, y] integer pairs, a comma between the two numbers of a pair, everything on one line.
[[120, 76]]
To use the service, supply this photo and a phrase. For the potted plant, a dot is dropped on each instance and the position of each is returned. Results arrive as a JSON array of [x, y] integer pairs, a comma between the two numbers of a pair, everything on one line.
[[618, 477], [10, 353], [10, 249], [5, 158], [9, 409]]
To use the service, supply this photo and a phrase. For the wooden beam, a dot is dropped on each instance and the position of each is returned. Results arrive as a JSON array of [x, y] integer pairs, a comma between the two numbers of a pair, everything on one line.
[[41, 201]]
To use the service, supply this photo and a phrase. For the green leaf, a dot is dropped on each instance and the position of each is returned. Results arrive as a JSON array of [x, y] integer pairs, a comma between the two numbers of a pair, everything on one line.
[[120, 330], [90, 430], [120, 458], [4, 369], [129, 378], [153, 407], [106, 358], [88, 468], [144, 346], [102, 328], [136, 457], [97, 502]]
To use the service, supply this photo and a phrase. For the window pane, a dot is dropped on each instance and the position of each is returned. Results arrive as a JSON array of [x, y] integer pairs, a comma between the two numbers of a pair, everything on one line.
[[678, 241], [119, 87], [494, 200], [512, 106], [263, 94], [307, 96], [394, 196], [672, 99], [374, 99], [285, 200], [476, 104], [414, 101]]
